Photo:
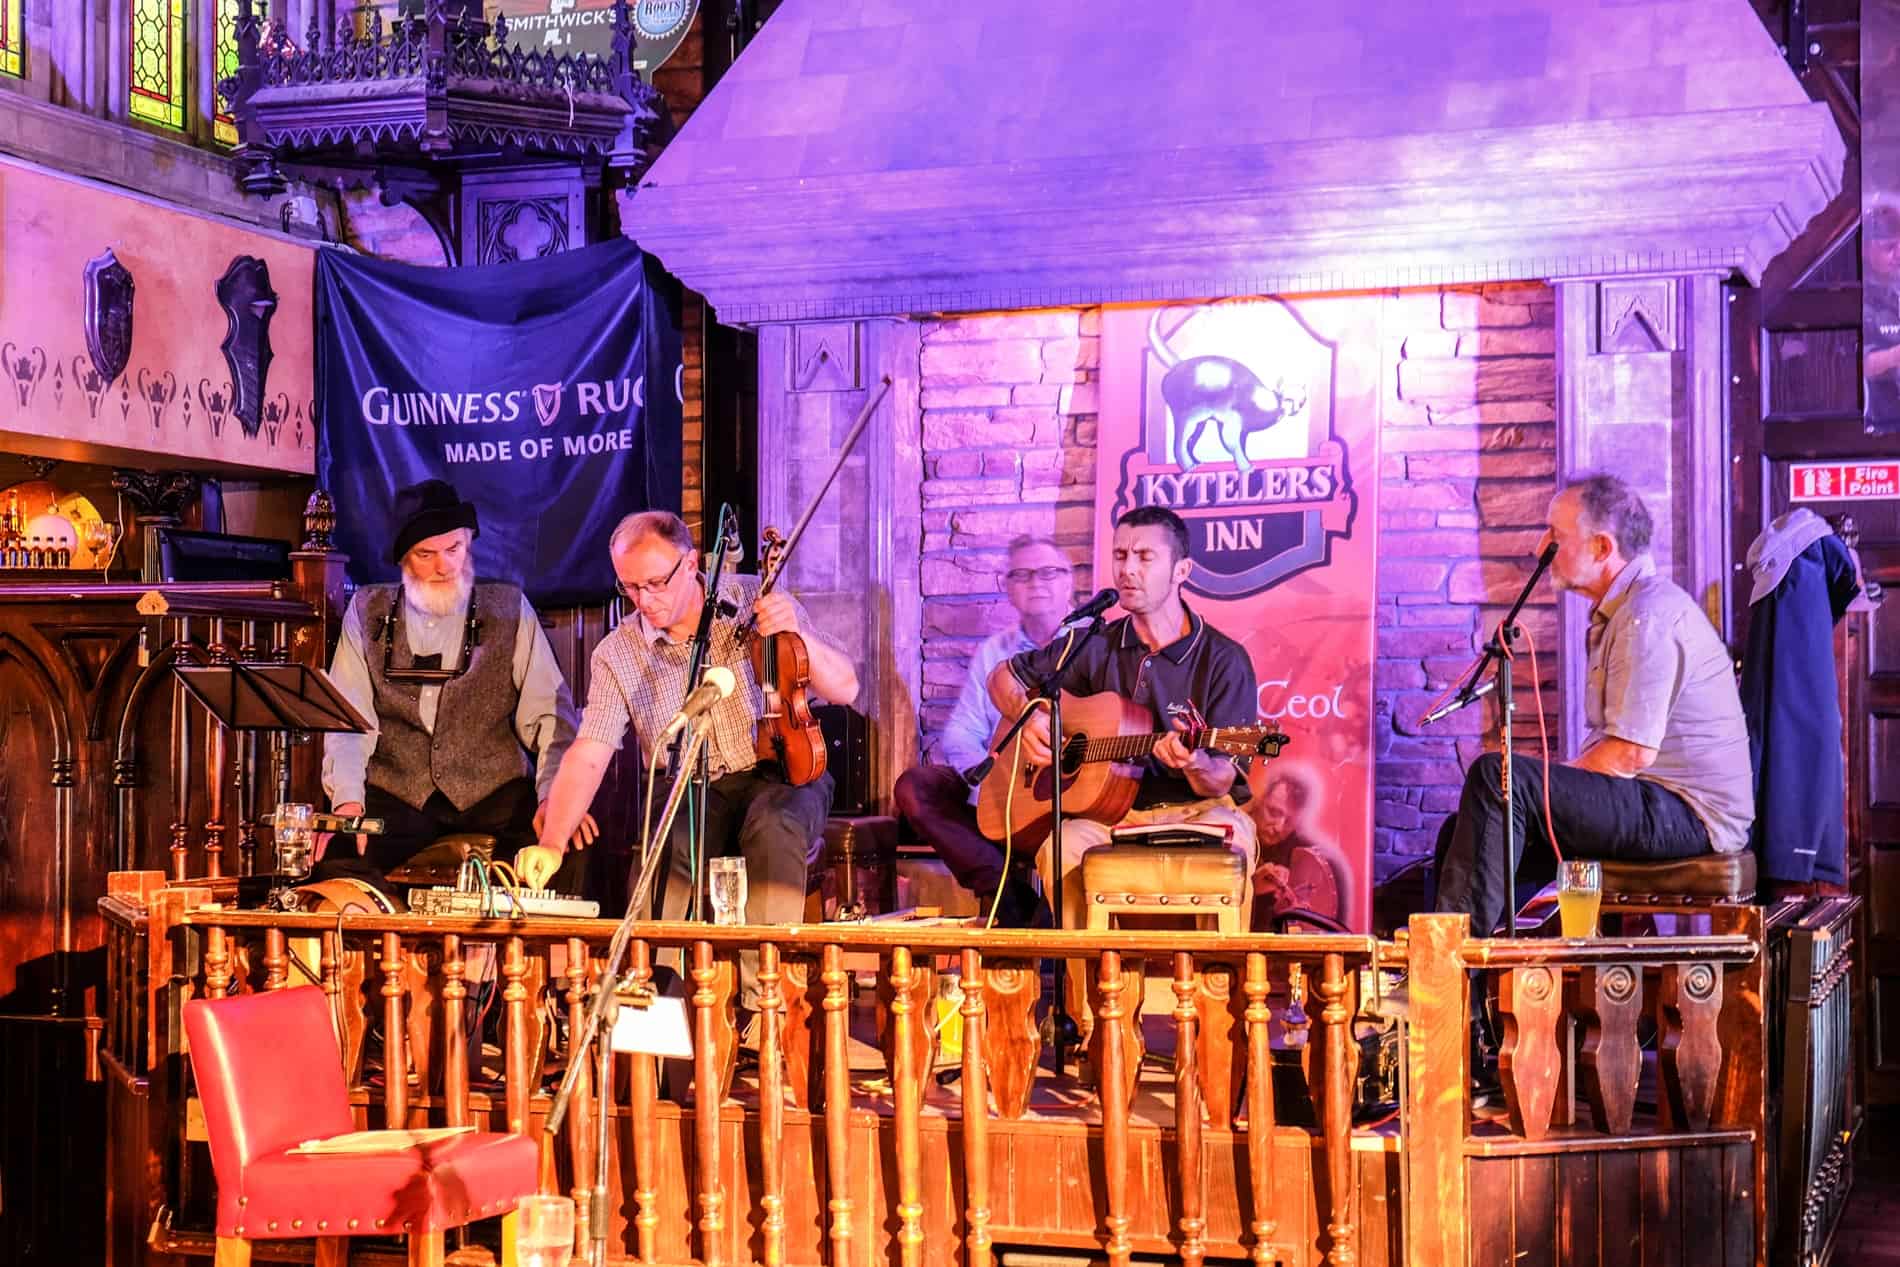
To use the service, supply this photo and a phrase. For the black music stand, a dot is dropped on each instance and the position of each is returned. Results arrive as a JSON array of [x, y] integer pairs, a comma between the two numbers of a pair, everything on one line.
[[291, 700]]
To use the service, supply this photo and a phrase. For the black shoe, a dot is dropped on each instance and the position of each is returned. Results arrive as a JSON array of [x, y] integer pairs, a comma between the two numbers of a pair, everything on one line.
[[1021, 906], [1487, 1089]]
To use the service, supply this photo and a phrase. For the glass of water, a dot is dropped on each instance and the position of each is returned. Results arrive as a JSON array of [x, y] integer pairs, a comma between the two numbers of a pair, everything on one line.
[[544, 1236], [727, 881]]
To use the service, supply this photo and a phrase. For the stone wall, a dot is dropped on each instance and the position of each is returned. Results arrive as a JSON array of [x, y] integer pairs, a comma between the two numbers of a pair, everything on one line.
[[1009, 404]]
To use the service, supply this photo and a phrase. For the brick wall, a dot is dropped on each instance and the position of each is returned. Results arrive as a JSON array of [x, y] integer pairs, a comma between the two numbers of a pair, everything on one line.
[[1467, 468], [1009, 403], [1009, 411]]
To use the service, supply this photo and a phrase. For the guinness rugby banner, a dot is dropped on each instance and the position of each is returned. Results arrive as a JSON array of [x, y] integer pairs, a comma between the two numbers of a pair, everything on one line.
[[1256, 422], [547, 392]]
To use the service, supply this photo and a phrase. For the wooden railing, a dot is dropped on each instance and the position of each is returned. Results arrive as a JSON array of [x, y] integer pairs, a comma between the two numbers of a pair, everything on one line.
[[1594, 1127], [1632, 1119], [804, 1161]]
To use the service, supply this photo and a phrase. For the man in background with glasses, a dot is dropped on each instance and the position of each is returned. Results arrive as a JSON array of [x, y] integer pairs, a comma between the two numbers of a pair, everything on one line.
[[1039, 582], [470, 708]]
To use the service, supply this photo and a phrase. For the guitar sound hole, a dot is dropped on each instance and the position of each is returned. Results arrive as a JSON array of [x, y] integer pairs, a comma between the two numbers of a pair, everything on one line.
[[1072, 753]]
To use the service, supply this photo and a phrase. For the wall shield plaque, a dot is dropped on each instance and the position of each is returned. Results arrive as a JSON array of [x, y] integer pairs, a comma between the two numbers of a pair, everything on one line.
[[245, 294], [109, 315]]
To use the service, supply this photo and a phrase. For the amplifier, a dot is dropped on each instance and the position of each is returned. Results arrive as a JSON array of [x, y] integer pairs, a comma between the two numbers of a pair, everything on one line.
[[848, 756]]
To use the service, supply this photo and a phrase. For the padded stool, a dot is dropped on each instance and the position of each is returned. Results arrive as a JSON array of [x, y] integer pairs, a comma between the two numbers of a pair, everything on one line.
[[1199, 882], [1705, 880]]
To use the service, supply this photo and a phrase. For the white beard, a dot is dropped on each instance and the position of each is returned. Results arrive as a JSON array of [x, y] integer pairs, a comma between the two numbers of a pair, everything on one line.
[[438, 598]]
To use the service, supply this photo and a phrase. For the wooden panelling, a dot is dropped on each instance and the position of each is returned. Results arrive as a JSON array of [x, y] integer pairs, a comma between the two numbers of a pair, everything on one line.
[[52, 1182], [1814, 371], [1638, 1207]]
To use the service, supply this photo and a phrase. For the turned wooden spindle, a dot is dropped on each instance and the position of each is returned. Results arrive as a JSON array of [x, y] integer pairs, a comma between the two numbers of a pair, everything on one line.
[[454, 1032], [517, 1079], [837, 1079], [1688, 1046], [1110, 1019], [276, 959], [1187, 1114], [922, 992], [909, 1069], [771, 1107], [580, 1128], [395, 1038], [216, 743], [976, 1118], [1609, 1004], [1338, 1055], [217, 962], [708, 1096], [1012, 1041], [643, 1087], [1530, 1000], [1127, 1034], [1260, 1121]]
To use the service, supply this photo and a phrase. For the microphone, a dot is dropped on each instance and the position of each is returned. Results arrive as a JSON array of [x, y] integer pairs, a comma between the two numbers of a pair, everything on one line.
[[1103, 600], [1458, 701], [1548, 557], [714, 685]]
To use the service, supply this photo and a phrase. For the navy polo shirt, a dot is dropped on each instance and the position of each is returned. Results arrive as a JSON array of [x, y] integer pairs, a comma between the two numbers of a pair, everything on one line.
[[1203, 667]]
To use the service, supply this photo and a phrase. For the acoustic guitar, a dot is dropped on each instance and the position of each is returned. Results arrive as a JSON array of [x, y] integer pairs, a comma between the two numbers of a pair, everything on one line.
[[1098, 732]]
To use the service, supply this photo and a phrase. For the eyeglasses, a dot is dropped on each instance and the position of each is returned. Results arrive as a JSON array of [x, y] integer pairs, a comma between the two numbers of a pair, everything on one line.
[[653, 589], [1022, 576]]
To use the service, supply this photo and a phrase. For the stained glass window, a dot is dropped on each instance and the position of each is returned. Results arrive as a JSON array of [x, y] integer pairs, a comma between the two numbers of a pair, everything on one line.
[[223, 123], [11, 38], [158, 62]]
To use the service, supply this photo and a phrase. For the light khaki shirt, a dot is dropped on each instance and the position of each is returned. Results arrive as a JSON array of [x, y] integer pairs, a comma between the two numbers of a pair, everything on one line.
[[1660, 677], [638, 679]]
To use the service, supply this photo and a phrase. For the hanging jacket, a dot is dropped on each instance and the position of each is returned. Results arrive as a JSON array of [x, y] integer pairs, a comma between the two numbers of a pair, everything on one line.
[[1791, 698]]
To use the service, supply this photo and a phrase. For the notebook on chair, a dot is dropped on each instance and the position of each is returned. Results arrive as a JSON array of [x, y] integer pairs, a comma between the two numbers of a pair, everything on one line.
[[1175, 835]]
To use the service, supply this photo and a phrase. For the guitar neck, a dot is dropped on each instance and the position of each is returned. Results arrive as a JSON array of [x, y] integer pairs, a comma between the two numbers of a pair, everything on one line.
[[1133, 747]]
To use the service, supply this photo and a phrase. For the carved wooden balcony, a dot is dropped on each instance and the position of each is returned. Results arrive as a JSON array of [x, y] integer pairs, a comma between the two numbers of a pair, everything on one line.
[[445, 88]]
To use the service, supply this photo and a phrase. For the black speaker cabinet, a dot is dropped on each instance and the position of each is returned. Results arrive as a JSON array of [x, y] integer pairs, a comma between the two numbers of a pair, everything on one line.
[[848, 754]]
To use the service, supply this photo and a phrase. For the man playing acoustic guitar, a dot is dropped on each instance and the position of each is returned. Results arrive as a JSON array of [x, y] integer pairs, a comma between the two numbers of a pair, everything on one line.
[[1165, 658]]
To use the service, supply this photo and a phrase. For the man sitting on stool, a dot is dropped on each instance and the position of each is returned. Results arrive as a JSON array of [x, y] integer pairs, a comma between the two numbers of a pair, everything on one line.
[[462, 687], [1664, 772], [940, 805]]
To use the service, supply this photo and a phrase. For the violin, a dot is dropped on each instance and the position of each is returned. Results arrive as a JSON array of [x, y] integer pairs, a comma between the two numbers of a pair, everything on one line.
[[788, 733]]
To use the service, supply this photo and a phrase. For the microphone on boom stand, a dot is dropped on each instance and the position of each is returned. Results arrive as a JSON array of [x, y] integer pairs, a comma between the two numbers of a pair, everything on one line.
[[715, 684]]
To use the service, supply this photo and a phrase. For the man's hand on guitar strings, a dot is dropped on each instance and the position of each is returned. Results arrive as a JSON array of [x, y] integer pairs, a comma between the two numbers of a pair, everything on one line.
[[1034, 736]]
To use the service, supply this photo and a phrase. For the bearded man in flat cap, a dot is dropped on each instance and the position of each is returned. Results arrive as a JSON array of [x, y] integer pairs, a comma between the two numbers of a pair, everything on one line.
[[471, 712]]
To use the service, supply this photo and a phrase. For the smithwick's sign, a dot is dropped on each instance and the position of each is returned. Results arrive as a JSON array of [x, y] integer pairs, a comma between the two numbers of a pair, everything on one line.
[[1843, 481], [1247, 421]]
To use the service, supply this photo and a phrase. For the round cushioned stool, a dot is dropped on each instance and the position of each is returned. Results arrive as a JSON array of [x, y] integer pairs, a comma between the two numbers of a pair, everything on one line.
[[1700, 881], [1198, 882]]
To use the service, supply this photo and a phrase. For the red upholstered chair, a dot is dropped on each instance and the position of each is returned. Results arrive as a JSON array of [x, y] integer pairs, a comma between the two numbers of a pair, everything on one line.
[[270, 1074]]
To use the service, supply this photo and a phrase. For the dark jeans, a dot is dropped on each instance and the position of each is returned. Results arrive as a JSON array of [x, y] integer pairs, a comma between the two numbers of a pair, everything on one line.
[[507, 814], [760, 817], [1596, 816], [936, 800]]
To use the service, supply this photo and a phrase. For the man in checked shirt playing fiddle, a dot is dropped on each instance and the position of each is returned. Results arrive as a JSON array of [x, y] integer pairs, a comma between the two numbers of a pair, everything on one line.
[[638, 677]]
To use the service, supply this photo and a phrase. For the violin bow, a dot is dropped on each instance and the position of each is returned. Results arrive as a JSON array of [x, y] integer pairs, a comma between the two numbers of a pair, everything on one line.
[[844, 452]]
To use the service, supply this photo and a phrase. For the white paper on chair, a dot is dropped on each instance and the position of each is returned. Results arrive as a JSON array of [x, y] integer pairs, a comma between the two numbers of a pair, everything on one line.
[[381, 1141], [658, 1029]]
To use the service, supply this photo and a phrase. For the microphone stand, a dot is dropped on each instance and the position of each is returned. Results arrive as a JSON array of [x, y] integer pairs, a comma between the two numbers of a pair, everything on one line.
[[598, 1027], [701, 778], [1501, 650], [1050, 689]]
